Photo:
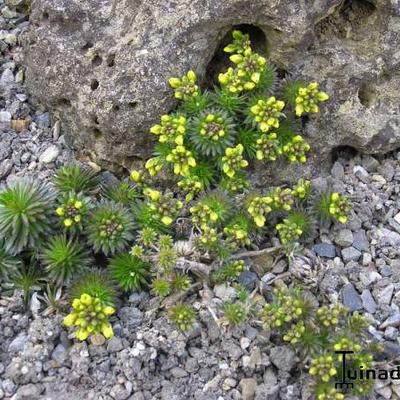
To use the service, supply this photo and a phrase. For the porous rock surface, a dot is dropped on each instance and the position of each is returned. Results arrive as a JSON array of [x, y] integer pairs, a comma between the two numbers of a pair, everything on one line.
[[104, 65]]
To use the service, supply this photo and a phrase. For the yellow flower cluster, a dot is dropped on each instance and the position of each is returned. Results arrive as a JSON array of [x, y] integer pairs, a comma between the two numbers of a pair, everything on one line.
[[307, 99], [182, 159], [233, 160], [296, 149], [171, 130], [329, 316], [154, 165], [266, 113], [185, 87], [191, 185], [339, 207], [330, 393], [70, 212], [282, 199], [203, 215], [259, 208], [212, 127], [288, 231], [90, 315], [302, 189], [209, 236], [165, 206], [295, 333], [346, 344], [323, 366], [237, 236], [267, 147]]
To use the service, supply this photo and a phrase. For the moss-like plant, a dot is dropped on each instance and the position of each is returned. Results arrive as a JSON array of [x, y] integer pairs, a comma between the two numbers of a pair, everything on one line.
[[76, 178], [63, 257], [131, 272], [25, 215], [235, 313], [28, 278], [96, 283], [110, 227], [161, 287], [183, 316]]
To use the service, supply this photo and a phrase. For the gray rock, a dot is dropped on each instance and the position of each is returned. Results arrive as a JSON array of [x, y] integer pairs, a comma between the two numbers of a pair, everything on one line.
[[391, 333], [384, 295], [104, 99], [29, 392], [49, 155], [266, 392], [114, 345], [368, 301], [344, 238], [351, 298], [248, 280], [59, 354], [350, 254], [360, 241], [393, 320], [5, 168], [178, 372], [388, 237], [370, 163], [359, 171], [325, 250], [43, 120], [225, 292], [283, 357], [6, 78], [248, 388], [337, 170], [18, 344]]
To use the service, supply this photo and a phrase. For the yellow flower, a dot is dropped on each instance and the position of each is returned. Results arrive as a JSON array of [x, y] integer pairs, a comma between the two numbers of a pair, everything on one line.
[[68, 222], [60, 211], [70, 319], [107, 330]]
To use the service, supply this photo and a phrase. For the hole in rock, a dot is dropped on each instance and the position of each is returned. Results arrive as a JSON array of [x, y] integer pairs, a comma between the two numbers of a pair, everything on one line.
[[94, 84], [64, 102], [344, 152], [95, 119], [97, 133], [111, 60], [132, 104], [97, 60], [45, 16], [87, 46], [366, 94], [220, 61], [115, 107]]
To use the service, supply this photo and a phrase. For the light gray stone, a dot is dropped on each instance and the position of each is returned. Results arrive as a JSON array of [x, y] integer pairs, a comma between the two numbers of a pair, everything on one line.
[[350, 254], [368, 301], [325, 250], [344, 238], [49, 155]]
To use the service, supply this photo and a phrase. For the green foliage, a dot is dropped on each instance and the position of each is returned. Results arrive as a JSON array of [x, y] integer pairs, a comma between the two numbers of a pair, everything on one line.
[[145, 217], [212, 132], [75, 178], [183, 316], [8, 264], [63, 257], [131, 272], [235, 313], [96, 283], [110, 227], [230, 271], [28, 279], [122, 192], [161, 287], [25, 215], [181, 282]]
